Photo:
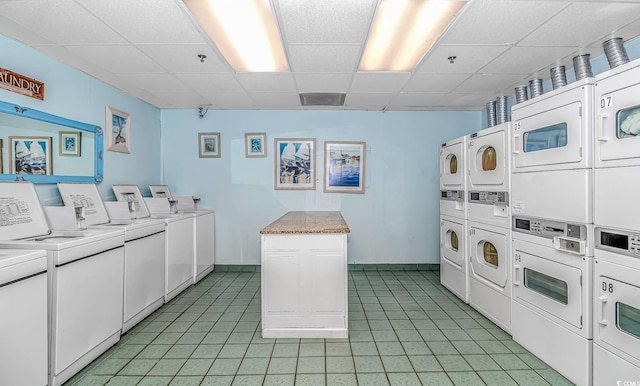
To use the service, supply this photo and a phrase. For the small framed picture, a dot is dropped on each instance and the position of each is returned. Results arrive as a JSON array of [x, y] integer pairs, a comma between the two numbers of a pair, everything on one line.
[[30, 155], [295, 163], [209, 145], [255, 145], [344, 167], [118, 131], [70, 143]]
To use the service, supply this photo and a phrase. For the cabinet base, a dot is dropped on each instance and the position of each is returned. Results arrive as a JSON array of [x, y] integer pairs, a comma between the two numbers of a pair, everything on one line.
[[334, 333]]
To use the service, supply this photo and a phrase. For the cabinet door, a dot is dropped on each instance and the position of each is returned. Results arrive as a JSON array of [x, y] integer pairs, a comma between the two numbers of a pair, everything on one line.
[[281, 288], [327, 288]]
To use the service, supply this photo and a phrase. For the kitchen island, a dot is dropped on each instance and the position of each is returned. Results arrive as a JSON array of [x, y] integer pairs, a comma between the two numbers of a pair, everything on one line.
[[304, 276]]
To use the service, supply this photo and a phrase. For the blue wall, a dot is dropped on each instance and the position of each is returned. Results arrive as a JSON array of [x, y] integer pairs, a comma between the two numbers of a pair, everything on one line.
[[395, 221], [75, 95]]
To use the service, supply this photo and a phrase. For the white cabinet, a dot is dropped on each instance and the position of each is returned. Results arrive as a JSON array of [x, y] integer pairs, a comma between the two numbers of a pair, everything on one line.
[[204, 244], [304, 285]]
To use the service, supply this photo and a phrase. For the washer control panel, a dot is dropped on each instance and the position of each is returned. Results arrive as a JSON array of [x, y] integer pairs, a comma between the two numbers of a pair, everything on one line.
[[452, 195], [549, 228], [618, 241], [489, 198]]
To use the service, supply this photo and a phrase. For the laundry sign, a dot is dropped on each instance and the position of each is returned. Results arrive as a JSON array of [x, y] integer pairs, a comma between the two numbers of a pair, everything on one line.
[[21, 84]]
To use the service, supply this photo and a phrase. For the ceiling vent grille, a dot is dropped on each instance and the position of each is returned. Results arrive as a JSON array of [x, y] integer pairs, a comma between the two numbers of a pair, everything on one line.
[[322, 99]]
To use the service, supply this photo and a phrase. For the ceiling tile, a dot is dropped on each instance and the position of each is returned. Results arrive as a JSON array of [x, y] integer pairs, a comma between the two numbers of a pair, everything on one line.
[[500, 21], [527, 60], [378, 82], [368, 101], [442, 83], [275, 99], [417, 99], [267, 82], [116, 58], [216, 83], [326, 21], [490, 84], [323, 58], [468, 59], [184, 57], [182, 99], [237, 100], [154, 82], [21, 33], [309, 82], [147, 21]]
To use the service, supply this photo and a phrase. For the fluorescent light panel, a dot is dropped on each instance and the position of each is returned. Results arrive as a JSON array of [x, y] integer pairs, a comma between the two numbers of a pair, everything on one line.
[[245, 32], [403, 32]]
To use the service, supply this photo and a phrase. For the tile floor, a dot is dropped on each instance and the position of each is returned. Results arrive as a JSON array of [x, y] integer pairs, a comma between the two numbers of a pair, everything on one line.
[[404, 329]]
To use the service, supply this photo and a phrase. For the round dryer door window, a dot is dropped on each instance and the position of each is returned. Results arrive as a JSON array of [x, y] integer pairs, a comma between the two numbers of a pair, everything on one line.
[[453, 164], [489, 157], [490, 254], [453, 240]]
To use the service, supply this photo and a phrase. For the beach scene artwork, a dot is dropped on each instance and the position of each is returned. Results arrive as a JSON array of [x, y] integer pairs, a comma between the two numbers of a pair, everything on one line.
[[295, 164], [344, 167]]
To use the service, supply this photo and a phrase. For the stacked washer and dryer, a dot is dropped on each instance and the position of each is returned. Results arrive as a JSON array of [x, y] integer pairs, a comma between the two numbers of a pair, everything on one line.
[[454, 271], [616, 292], [552, 214], [489, 223]]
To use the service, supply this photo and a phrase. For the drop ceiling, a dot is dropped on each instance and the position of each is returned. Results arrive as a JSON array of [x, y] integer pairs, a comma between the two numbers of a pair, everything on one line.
[[149, 49]]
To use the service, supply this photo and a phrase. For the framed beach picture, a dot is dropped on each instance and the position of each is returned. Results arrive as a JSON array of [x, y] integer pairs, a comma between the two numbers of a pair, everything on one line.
[[255, 145], [30, 155], [209, 145], [70, 143], [344, 167], [118, 131], [295, 167]]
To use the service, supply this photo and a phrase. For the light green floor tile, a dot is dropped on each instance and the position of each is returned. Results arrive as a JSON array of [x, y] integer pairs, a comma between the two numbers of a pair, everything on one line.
[[465, 378], [167, 367], [109, 366], [225, 366], [90, 380], [481, 362], [453, 363], [155, 381], [390, 348], [124, 380], [286, 349], [425, 363], [279, 380], [403, 379], [186, 380], [282, 365], [180, 351], [372, 379], [528, 377], [342, 379], [310, 380], [338, 349], [248, 380], [195, 366], [497, 378], [253, 366], [510, 362], [435, 379], [368, 364], [397, 364], [311, 349], [554, 378], [340, 365], [138, 366], [233, 350], [416, 348], [205, 351], [311, 365]]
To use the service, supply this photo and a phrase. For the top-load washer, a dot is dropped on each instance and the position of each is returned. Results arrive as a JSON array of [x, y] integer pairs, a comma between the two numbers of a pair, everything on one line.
[[552, 154], [85, 275], [23, 296], [617, 149], [453, 178], [204, 230], [179, 240], [144, 251]]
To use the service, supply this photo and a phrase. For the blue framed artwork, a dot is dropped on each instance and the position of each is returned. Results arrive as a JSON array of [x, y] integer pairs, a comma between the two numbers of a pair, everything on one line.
[[344, 166], [255, 145], [69, 143], [30, 155], [295, 163]]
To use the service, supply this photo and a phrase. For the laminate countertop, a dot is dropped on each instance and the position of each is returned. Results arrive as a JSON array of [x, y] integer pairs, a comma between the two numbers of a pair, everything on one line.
[[307, 222]]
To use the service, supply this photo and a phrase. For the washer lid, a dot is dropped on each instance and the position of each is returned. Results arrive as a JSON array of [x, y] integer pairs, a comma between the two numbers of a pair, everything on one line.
[[85, 195], [21, 214]]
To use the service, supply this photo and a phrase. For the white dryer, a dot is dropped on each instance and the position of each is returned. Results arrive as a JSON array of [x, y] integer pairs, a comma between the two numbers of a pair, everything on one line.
[[178, 245], [617, 155], [552, 155], [616, 293], [85, 280], [489, 249], [489, 176], [454, 273], [144, 252], [552, 287], [453, 178], [23, 296]]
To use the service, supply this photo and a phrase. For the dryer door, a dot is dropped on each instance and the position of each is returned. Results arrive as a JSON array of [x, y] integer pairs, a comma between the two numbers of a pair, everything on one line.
[[452, 164], [489, 253], [487, 157], [452, 242], [551, 288], [618, 315], [618, 120]]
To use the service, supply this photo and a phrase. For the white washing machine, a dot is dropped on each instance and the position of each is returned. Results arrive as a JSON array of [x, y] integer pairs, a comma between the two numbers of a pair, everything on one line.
[[204, 230], [23, 292], [144, 252], [617, 158], [489, 250], [616, 292], [489, 175], [454, 273], [552, 287], [552, 155], [453, 178], [179, 241], [85, 280]]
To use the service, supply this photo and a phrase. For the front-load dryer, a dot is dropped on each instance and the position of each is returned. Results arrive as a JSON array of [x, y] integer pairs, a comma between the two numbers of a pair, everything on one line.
[[85, 276], [551, 310], [23, 296], [453, 178], [489, 249], [144, 251], [489, 175], [552, 154], [616, 295], [617, 155], [454, 271]]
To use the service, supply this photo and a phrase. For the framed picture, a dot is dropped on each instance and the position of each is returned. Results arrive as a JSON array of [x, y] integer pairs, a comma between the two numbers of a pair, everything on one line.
[[344, 167], [118, 131], [209, 145], [70, 143], [255, 145], [295, 163], [30, 155]]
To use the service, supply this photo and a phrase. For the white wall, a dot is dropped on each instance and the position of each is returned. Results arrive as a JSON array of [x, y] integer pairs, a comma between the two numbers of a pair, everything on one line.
[[72, 94], [395, 221]]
